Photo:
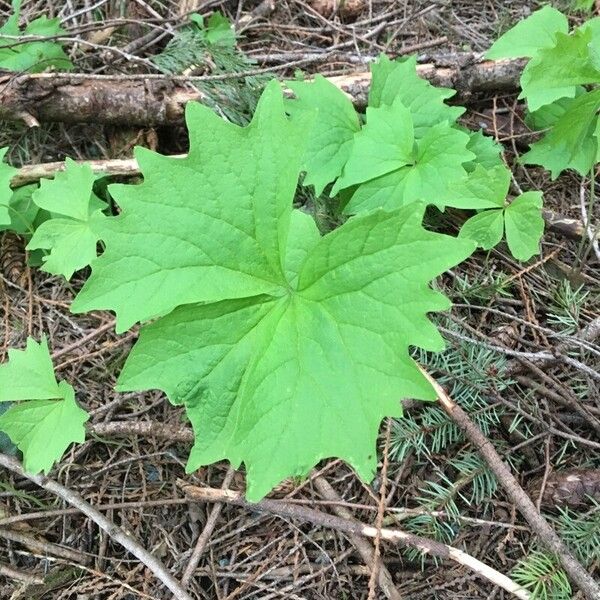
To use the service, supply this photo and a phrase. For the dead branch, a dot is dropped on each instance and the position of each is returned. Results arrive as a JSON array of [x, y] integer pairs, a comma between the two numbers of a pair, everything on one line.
[[515, 492], [151, 100], [114, 531], [395, 536], [363, 547], [143, 428]]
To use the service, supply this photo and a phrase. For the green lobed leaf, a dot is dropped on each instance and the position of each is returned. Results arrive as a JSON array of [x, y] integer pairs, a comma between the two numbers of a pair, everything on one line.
[[28, 374], [73, 236], [6, 174], [35, 56], [332, 134], [25, 215], [276, 376], [438, 165], [548, 115], [488, 153], [282, 382], [221, 191], [527, 37], [44, 418], [485, 228], [483, 188], [383, 145], [557, 72], [399, 81], [571, 143], [524, 225], [44, 429]]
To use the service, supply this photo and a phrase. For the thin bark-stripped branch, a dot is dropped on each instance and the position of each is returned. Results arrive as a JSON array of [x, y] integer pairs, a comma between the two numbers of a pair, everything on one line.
[[515, 492], [114, 531], [395, 536]]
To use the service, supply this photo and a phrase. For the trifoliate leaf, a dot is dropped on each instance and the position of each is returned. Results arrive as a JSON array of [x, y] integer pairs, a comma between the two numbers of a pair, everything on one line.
[[571, 143], [71, 240], [485, 228], [399, 81], [28, 374], [6, 174], [524, 225], [44, 429], [32, 56], [282, 382], [44, 418], [383, 145], [557, 72], [205, 228], [488, 153], [332, 134], [437, 166], [302, 356], [483, 188], [527, 37]]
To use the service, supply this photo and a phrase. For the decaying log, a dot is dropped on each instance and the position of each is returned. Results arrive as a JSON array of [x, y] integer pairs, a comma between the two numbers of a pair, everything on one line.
[[150, 100]]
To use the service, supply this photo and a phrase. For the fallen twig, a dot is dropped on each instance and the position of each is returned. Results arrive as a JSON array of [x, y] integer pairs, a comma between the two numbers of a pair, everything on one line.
[[115, 532], [363, 547], [203, 538], [316, 517], [539, 525], [42, 546]]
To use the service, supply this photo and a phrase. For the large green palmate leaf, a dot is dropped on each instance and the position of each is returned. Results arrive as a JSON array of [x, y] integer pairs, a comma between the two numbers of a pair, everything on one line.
[[571, 143], [530, 35], [294, 349], [33, 56], [332, 133], [71, 237], [44, 418]]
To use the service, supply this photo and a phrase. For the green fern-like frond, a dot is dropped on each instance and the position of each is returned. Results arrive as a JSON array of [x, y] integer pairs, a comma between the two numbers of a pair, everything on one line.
[[581, 532], [191, 49], [542, 576]]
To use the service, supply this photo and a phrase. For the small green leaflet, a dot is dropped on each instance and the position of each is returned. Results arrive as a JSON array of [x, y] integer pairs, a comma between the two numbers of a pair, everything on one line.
[[332, 134], [25, 215], [557, 72], [399, 80], [72, 237], [524, 225], [487, 152], [530, 35], [45, 418], [6, 174], [521, 220], [33, 57], [571, 143], [217, 29], [483, 188], [286, 347]]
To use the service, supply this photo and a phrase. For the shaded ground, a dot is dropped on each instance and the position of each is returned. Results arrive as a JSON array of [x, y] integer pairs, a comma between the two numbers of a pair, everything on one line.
[[530, 417]]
